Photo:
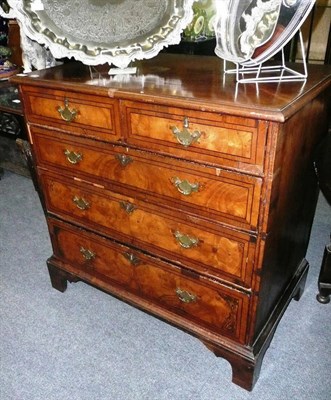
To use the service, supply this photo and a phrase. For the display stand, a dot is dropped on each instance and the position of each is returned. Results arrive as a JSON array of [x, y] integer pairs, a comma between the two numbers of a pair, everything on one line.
[[270, 73], [122, 71]]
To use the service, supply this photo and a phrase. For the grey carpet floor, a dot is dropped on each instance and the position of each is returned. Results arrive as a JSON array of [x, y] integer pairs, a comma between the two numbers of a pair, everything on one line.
[[86, 345]]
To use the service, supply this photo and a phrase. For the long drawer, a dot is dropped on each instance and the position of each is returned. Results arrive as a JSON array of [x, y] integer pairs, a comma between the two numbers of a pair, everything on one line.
[[213, 193], [199, 300], [77, 113], [210, 137], [205, 248]]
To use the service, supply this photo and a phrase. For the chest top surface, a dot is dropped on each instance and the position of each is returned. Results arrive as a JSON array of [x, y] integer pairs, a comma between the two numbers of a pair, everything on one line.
[[197, 82]]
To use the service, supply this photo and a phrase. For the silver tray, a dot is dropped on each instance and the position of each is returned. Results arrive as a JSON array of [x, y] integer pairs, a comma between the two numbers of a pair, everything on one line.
[[104, 31]]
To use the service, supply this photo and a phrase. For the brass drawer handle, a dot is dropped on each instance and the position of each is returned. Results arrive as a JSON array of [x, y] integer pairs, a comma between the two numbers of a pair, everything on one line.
[[73, 157], [127, 206], [186, 297], [132, 258], [87, 254], [123, 159], [66, 113], [184, 186], [185, 137], [81, 203], [185, 241]]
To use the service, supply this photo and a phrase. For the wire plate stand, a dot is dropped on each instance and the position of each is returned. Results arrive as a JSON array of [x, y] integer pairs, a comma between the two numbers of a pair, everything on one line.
[[270, 73]]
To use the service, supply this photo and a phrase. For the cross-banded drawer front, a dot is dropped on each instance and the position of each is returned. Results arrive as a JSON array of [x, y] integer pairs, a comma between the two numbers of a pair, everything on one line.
[[203, 302], [75, 112], [230, 197], [207, 248], [211, 138]]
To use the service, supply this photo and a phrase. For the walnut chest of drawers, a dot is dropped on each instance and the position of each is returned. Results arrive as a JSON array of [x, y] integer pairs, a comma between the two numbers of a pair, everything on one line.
[[180, 192]]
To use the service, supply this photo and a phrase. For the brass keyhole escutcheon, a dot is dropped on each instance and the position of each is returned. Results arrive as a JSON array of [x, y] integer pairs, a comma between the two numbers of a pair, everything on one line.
[[186, 241], [185, 136], [73, 157], [81, 203], [67, 114], [186, 297], [127, 206], [185, 187], [123, 159], [132, 258], [87, 254]]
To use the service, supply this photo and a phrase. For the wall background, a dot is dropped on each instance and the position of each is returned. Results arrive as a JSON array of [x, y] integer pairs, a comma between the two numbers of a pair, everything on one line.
[[316, 29]]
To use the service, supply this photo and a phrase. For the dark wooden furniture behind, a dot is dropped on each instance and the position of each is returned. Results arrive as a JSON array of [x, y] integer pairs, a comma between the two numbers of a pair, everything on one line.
[[12, 127], [180, 192], [323, 172], [14, 42]]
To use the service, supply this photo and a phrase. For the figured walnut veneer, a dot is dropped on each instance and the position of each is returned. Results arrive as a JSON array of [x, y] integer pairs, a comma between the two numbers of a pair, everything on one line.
[[181, 192]]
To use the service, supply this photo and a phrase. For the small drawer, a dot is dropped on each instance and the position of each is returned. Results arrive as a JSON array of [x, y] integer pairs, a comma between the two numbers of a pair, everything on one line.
[[195, 299], [209, 137], [204, 247], [81, 114], [232, 198]]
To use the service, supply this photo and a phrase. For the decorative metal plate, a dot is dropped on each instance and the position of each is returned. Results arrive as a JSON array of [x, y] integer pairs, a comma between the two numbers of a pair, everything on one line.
[[104, 31], [251, 31]]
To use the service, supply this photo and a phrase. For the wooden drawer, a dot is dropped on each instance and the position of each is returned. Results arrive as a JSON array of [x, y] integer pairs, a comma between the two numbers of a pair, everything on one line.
[[89, 115], [203, 302], [209, 137], [213, 193], [206, 248]]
